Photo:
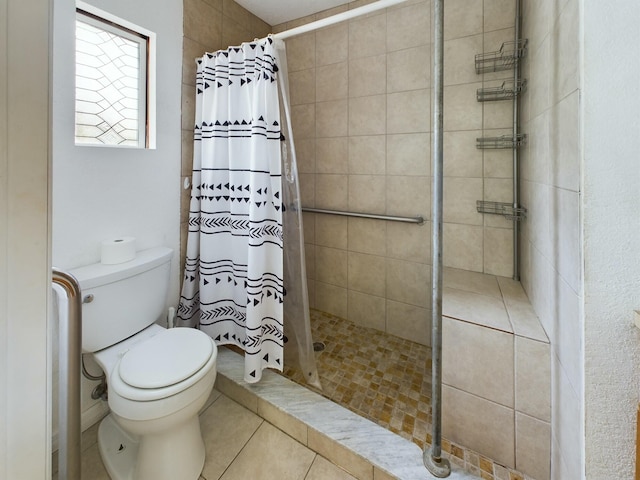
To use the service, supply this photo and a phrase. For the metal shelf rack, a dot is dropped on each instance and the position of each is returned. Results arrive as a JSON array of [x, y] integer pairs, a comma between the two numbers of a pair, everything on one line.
[[502, 142], [504, 59], [508, 90], [507, 210]]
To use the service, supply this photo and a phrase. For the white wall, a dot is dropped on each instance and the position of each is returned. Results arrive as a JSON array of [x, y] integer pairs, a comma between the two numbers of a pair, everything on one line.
[[101, 192], [611, 175], [551, 191], [25, 270]]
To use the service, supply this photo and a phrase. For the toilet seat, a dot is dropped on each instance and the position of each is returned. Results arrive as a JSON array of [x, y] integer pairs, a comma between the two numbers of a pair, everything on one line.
[[163, 365]]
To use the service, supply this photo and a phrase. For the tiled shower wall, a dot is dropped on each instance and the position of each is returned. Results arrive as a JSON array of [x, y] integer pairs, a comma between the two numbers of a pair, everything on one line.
[[209, 25], [551, 234], [361, 107]]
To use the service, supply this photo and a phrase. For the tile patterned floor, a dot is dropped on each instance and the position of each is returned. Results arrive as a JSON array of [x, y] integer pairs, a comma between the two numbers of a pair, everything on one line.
[[240, 445], [387, 380]]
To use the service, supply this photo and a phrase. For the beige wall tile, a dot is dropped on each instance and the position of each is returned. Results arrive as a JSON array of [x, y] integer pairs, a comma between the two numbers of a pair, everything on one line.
[[478, 360], [409, 27], [331, 118], [409, 154], [498, 14], [463, 246], [367, 273], [307, 189], [303, 120], [461, 111], [310, 260], [301, 52], [331, 299], [533, 378], [498, 251], [409, 242], [302, 86], [368, 76], [332, 155], [331, 231], [367, 310], [367, 115], [408, 112], [480, 425], [462, 18], [533, 447], [204, 24], [237, 13], [459, 66], [409, 282], [331, 192], [409, 69], [259, 28], [498, 163], [498, 189], [331, 44], [367, 155], [365, 37], [191, 50], [233, 33], [188, 108], [564, 143], [459, 200], [565, 43], [367, 193], [367, 236], [496, 114], [306, 155], [187, 153], [461, 157], [408, 196], [409, 322], [332, 82]]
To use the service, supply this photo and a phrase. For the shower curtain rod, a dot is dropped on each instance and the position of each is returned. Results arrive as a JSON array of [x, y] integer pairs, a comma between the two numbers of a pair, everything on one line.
[[340, 17]]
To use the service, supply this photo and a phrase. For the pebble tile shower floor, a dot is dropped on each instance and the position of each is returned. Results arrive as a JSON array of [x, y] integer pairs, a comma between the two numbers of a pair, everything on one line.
[[387, 380]]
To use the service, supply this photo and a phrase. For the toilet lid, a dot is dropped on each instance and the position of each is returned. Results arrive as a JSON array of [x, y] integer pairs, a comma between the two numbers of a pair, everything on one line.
[[166, 358]]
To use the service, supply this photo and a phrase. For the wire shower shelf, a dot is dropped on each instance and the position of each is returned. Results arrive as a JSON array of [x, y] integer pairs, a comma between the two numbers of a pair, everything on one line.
[[504, 141], [507, 91], [503, 59], [507, 210]]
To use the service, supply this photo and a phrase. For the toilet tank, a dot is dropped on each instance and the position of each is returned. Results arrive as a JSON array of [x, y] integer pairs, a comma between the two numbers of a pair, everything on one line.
[[124, 298]]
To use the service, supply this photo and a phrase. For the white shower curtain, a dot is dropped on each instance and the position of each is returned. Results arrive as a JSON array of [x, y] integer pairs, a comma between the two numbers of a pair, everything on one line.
[[233, 285]]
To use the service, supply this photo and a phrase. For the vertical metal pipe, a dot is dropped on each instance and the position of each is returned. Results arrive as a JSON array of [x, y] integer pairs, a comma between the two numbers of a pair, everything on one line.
[[432, 457], [516, 166], [70, 351]]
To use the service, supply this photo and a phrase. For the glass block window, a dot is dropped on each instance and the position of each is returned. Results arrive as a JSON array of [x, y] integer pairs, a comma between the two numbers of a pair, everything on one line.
[[111, 84]]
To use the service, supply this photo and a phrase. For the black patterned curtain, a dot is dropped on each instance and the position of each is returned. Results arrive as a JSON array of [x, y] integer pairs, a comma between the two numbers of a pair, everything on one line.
[[233, 279]]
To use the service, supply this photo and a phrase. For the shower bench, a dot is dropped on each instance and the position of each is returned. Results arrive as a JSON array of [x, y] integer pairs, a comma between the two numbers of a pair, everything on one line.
[[496, 372]]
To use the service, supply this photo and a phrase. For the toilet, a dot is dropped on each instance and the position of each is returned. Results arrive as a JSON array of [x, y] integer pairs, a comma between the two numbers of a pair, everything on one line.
[[158, 379]]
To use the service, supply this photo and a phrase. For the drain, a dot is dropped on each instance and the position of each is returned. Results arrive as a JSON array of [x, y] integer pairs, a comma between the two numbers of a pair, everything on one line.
[[318, 346]]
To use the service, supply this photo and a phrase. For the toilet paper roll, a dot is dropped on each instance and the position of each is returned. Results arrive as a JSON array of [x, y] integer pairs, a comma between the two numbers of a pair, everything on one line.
[[118, 250]]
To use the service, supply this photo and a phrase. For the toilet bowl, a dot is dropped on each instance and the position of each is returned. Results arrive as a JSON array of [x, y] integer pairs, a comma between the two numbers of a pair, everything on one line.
[[158, 379]]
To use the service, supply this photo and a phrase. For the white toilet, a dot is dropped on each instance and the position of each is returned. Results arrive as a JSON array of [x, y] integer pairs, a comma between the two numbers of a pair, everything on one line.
[[157, 379]]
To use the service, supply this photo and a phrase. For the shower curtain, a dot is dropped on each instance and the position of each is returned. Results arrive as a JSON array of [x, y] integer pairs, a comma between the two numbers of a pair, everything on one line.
[[234, 285]]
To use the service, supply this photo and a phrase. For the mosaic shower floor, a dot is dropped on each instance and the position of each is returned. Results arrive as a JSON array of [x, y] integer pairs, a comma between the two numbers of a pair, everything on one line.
[[387, 380]]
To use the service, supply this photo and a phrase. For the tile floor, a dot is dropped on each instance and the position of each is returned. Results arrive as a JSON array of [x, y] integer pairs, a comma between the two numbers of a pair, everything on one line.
[[240, 446], [386, 379]]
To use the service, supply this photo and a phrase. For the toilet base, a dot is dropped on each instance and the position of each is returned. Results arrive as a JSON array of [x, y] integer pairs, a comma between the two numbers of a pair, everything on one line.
[[128, 457], [118, 449]]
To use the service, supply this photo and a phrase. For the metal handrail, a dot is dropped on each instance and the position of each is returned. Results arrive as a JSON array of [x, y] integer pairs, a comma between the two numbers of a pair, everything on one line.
[[70, 352], [418, 220]]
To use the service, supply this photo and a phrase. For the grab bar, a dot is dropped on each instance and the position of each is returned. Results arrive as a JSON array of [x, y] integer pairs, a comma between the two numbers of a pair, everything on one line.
[[418, 220], [70, 351]]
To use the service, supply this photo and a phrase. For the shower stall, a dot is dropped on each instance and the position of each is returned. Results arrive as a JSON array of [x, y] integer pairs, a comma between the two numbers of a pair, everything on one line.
[[361, 102]]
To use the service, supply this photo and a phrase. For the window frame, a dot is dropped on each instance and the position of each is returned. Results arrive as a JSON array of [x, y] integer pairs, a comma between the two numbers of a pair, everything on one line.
[[146, 79]]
